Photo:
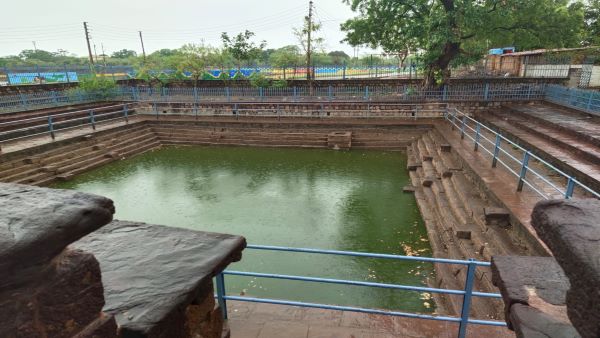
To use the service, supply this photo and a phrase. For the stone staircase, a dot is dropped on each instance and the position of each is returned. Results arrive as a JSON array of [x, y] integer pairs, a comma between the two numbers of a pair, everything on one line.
[[568, 142], [93, 150], [462, 221]]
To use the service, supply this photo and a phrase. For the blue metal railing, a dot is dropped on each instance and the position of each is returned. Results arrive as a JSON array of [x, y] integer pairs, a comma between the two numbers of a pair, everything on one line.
[[397, 93], [467, 293], [496, 146], [586, 100]]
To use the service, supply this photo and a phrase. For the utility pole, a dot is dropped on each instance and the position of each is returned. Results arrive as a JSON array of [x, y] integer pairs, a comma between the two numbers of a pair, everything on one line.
[[308, 45], [143, 49], [95, 54], [87, 39], [34, 46]]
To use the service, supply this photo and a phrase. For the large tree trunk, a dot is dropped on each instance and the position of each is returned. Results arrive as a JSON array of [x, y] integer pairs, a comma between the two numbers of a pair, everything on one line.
[[441, 66]]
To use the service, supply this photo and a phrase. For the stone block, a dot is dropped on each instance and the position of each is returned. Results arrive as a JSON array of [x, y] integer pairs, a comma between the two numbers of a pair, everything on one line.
[[165, 269], [571, 229], [65, 177], [496, 216], [49, 169], [530, 322], [39, 223], [535, 281], [447, 173], [427, 182], [112, 154], [31, 160], [409, 189], [463, 234], [413, 166], [426, 158], [445, 148]]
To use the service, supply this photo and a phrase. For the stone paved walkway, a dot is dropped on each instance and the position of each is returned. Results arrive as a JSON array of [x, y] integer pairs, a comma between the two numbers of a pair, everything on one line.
[[252, 320]]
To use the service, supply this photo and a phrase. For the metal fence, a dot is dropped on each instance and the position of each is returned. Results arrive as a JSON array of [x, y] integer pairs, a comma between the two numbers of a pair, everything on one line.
[[467, 293], [399, 93], [502, 150], [586, 100], [506, 67]]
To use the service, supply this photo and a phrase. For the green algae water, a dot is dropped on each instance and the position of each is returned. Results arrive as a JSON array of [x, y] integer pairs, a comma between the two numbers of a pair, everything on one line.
[[294, 197]]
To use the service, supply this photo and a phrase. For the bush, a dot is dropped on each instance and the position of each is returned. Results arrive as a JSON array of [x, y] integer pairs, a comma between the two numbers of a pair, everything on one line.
[[279, 84], [258, 80], [96, 87]]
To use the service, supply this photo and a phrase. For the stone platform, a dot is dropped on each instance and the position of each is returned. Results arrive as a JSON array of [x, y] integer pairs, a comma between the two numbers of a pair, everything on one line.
[[253, 320]]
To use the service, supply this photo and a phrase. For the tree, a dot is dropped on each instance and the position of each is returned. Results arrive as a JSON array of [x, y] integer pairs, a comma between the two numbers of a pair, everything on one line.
[[592, 23], [285, 57], [194, 59], [124, 54], [309, 29], [37, 55], [338, 56], [241, 48], [450, 32]]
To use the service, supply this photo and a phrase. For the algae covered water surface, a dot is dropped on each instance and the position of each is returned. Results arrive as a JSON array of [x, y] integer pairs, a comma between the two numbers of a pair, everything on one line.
[[294, 197]]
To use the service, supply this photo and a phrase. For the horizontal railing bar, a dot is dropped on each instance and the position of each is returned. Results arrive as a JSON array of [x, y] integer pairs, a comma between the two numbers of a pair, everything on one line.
[[367, 255], [361, 310], [358, 283]]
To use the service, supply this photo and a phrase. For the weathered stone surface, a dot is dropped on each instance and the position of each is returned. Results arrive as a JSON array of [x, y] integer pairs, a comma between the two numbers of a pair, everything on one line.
[[409, 189], [427, 181], [496, 216], [339, 140], [445, 148], [66, 299], [535, 281], [530, 322], [36, 224], [426, 158], [462, 234], [152, 273], [571, 229], [413, 165]]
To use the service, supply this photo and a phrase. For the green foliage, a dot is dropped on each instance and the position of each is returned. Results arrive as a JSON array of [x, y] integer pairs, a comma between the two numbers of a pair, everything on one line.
[[451, 32], [241, 48], [124, 54], [95, 86], [287, 56], [279, 84], [258, 80], [592, 23]]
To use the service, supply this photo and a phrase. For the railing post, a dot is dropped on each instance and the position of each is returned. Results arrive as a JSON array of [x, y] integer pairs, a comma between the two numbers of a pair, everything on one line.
[[295, 93], [92, 119], [466, 305], [330, 92], [54, 99], [486, 92], [589, 104], [51, 127], [126, 113], [366, 93], [523, 171], [477, 135], [445, 93], [344, 71], [462, 127], [260, 91], [23, 99], [220, 278], [496, 150], [228, 94], [570, 188]]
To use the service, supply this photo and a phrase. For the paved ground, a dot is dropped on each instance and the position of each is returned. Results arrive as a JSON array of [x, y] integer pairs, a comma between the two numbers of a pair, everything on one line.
[[252, 320]]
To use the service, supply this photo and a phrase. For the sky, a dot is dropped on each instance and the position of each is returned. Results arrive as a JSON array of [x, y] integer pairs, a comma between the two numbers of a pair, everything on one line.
[[114, 24]]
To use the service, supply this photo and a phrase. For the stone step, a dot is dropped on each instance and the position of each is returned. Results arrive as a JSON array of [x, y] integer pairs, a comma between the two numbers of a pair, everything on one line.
[[257, 136]]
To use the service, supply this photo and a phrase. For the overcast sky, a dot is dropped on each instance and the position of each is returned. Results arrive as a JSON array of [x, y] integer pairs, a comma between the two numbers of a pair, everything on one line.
[[58, 24]]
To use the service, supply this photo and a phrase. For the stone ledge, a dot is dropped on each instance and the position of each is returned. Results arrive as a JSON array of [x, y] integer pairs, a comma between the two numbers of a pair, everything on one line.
[[571, 229], [151, 272]]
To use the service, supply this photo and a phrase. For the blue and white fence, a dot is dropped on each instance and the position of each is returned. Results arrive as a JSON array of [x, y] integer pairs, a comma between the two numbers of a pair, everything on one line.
[[467, 293], [586, 100], [399, 93]]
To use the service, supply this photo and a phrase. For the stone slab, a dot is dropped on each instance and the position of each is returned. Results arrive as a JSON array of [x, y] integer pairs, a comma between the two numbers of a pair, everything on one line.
[[409, 189], [571, 229], [532, 323], [534, 281], [151, 272], [496, 216], [36, 224]]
